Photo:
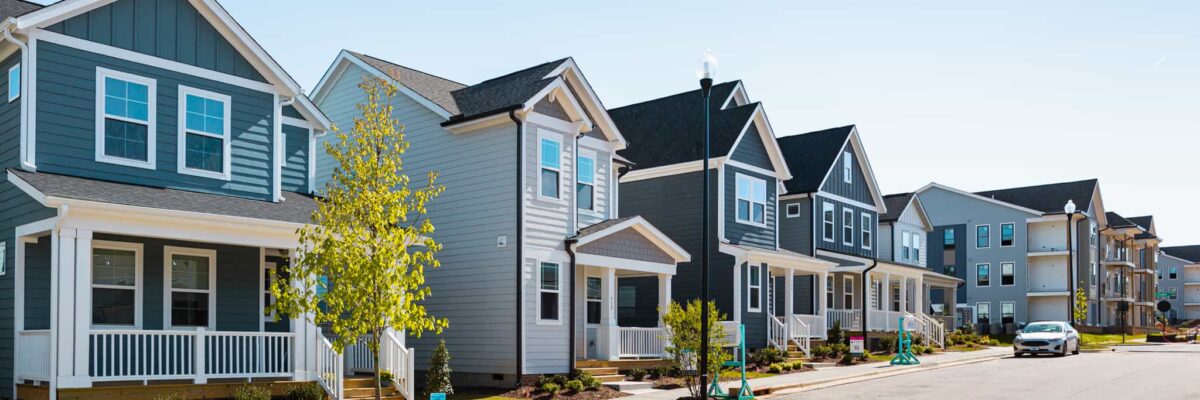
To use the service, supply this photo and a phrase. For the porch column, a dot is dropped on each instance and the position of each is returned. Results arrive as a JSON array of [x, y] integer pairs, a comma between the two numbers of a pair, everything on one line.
[[822, 308], [306, 338], [72, 308], [664, 296], [609, 347], [903, 294], [788, 297]]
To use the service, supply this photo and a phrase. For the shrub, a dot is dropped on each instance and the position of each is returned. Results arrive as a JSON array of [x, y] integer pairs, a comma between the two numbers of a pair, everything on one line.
[[835, 333], [949, 342], [848, 359], [994, 342], [559, 380], [684, 325], [586, 378], [775, 369], [888, 344], [663, 371], [798, 365], [822, 351], [838, 349], [918, 349], [307, 391], [550, 388], [251, 392], [574, 386], [766, 356], [636, 374], [929, 350]]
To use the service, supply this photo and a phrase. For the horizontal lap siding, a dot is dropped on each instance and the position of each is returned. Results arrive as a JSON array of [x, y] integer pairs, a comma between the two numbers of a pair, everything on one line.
[[295, 154], [475, 287], [548, 223], [66, 112]]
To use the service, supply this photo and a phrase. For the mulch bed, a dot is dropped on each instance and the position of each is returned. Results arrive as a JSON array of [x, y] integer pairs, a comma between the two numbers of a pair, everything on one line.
[[528, 392]]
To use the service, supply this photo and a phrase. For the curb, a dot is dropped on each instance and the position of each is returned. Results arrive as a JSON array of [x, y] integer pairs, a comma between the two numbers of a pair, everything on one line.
[[798, 387]]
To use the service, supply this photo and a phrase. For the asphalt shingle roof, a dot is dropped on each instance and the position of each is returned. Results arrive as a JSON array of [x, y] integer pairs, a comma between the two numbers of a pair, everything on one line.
[[895, 203], [17, 8], [432, 87], [670, 130], [1144, 222], [1049, 198], [811, 155], [1190, 253], [1117, 221], [599, 226], [297, 207]]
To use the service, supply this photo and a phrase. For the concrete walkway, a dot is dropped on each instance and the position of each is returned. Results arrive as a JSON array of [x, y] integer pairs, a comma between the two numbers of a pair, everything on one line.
[[838, 375]]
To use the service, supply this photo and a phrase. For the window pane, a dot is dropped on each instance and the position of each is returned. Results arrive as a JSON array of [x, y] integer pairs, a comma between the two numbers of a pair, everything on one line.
[[126, 99], [743, 210], [114, 267], [755, 297], [14, 82], [550, 183], [982, 237], [189, 272], [549, 305], [760, 191], [550, 155], [205, 153], [593, 312], [584, 196], [759, 213], [113, 306], [205, 115], [948, 237], [549, 276], [743, 187], [587, 170], [189, 309], [593, 288], [125, 139], [754, 276]]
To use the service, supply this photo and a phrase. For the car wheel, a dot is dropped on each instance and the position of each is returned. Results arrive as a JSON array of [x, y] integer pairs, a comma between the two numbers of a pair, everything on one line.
[[1076, 351], [1018, 355], [1063, 353]]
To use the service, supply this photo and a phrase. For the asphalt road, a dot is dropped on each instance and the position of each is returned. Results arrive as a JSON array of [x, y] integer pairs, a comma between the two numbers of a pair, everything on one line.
[[1143, 372]]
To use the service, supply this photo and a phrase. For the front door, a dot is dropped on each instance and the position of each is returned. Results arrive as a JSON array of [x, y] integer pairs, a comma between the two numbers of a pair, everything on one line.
[[592, 310]]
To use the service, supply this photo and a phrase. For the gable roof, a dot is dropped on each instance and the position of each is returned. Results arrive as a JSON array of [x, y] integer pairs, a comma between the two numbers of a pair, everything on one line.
[[1146, 224], [933, 185], [1117, 221], [670, 130], [16, 8], [1048, 198], [607, 227], [811, 155], [896, 204], [1189, 253], [432, 87]]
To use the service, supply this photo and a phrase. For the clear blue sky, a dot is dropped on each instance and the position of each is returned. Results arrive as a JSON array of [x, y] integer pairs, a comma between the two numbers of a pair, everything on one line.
[[970, 95]]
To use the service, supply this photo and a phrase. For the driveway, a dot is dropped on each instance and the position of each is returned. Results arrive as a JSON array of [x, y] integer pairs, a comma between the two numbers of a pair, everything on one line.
[[1141, 372]]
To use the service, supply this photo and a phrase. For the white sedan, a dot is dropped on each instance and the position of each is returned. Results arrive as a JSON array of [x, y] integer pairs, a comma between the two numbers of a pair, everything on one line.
[[1046, 338]]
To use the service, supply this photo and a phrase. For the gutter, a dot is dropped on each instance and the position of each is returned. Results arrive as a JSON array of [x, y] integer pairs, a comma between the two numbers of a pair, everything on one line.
[[520, 320]]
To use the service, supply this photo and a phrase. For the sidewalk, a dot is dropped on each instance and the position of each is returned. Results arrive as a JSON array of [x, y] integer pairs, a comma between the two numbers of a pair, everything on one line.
[[837, 375]]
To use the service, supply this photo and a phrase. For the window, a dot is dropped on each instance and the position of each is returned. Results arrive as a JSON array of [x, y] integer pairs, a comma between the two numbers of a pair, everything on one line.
[[204, 144], [1095, 273], [751, 200], [847, 167], [550, 152], [793, 210], [984, 311], [626, 303], [983, 275], [116, 284], [983, 238], [948, 239], [548, 291], [585, 184], [848, 292], [866, 230], [14, 82], [125, 119], [1006, 234], [829, 291], [593, 300], [1173, 293], [847, 227], [1095, 231], [268, 300], [4, 257], [948, 270], [895, 299], [1160, 276], [191, 278], [1007, 274], [905, 245], [755, 291], [916, 247], [827, 221], [1172, 273], [1008, 311]]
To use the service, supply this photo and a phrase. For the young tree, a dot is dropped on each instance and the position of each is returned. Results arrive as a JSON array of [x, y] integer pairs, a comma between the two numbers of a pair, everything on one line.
[[437, 380], [684, 342], [368, 244], [1080, 310]]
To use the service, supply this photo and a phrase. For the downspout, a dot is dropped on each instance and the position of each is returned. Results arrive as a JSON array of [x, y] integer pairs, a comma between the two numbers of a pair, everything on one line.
[[512, 114], [865, 274], [24, 132], [570, 245]]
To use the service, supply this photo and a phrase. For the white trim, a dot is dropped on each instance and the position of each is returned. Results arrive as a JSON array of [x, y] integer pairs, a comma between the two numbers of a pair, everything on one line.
[[169, 251], [29, 112], [1014, 232], [672, 169], [336, 70], [848, 201], [297, 122], [557, 292], [578, 168], [989, 309], [558, 89], [751, 286], [556, 124], [276, 149], [26, 187], [138, 250], [1014, 273], [752, 182], [978, 197], [645, 228], [795, 196], [737, 89], [865, 165], [624, 264], [149, 60], [182, 131], [847, 167], [829, 227], [989, 236], [151, 121], [847, 240], [867, 240], [741, 165], [548, 135], [570, 73], [848, 278], [767, 135], [50, 15], [989, 274], [20, 87], [788, 210], [312, 162]]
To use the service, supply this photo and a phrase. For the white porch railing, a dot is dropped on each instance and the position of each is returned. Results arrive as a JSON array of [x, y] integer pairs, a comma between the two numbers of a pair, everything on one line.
[[777, 334], [120, 355], [393, 357], [641, 342], [34, 362], [935, 331], [800, 333], [882, 320], [849, 319], [330, 368], [358, 356], [816, 325]]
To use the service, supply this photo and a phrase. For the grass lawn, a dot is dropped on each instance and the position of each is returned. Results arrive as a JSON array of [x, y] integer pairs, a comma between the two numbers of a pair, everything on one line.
[[1101, 339], [1004, 339]]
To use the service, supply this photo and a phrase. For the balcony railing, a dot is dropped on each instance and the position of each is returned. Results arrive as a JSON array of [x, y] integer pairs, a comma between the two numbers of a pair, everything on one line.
[[33, 361], [124, 355], [848, 319], [642, 342]]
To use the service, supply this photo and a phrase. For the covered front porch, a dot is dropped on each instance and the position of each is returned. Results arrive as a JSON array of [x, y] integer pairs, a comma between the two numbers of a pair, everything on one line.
[[892, 291]]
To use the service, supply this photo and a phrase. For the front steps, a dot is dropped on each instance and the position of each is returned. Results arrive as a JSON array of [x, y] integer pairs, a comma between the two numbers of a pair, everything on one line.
[[363, 387], [605, 374]]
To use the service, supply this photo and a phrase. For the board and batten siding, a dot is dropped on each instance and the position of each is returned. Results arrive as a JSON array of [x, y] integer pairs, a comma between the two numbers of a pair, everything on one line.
[[168, 29], [475, 287], [742, 233], [294, 171], [796, 233], [66, 115], [858, 189], [751, 150], [839, 243]]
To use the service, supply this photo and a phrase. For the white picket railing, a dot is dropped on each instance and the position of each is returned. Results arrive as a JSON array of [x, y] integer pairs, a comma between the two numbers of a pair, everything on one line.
[[34, 355], [330, 368], [882, 320], [641, 342], [399, 360], [935, 331], [777, 334], [121, 355], [358, 356], [816, 325], [800, 333], [849, 319]]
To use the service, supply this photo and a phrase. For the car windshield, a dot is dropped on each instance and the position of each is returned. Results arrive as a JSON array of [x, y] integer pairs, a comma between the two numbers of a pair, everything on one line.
[[1041, 328]]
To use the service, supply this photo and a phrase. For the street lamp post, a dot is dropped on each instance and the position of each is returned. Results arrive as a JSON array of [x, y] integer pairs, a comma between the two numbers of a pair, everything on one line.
[[1069, 210], [708, 69]]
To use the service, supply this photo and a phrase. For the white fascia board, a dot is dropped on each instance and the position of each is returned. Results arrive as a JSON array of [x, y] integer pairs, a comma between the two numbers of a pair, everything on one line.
[[557, 91], [346, 57], [29, 190], [180, 225], [647, 230], [56, 12], [864, 164], [625, 264], [767, 135], [672, 169], [933, 185], [571, 71]]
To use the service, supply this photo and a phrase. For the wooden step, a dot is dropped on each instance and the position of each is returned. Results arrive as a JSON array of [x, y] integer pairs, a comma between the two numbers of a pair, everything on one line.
[[353, 382], [646, 364], [609, 378], [597, 371], [369, 392], [795, 354]]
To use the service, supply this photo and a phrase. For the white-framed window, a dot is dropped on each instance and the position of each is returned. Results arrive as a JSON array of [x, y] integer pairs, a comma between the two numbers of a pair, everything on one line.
[[829, 291], [4, 257], [847, 167], [866, 231], [983, 313], [1008, 272], [847, 227], [585, 183], [1173, 273], [848, 292], [204, 133], [1174, 293], [1095, 273], [549, 292], [983, 275], [916, 247], [895, 306], [1008, 234], [190, 287], [268, 278], [793, 210], [754, 288], [116, 284], [125, 119], [905, 245], [594, 298], [1095, 231], [751, 200], [827, 222], [550, 162], [1008, 312], [983, 236], [14, 82]]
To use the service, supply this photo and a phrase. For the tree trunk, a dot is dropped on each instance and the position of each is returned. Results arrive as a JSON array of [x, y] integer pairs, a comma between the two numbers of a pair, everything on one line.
[[378, 376]]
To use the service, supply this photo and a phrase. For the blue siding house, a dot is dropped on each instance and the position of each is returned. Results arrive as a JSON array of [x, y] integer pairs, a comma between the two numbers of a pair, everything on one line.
[[157, 165]]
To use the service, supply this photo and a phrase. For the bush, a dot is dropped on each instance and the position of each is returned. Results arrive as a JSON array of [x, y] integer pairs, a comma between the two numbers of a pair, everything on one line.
[[437, 380], [775, 369], [888, 344], [307, 391], [636, 374], [574, 386], [949, 342], [838, 349], [848, 359], [929, 350], [994, 342], [251, 392], [918, 349], [822, 351], [835, 333], [766, 356], [798, 365], [586, 378], [663, 371], [550, 388]]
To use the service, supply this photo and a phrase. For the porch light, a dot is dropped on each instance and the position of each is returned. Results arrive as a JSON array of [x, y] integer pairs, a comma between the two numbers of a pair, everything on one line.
[[1070, 207], [708, 66]]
